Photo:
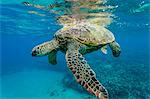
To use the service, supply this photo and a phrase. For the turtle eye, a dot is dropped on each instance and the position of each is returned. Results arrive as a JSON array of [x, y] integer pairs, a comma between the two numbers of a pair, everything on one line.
[[26, 3]]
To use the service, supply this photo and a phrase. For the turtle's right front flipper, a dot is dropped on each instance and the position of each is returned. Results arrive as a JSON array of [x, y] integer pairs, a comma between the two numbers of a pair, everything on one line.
[[116, 49], [84, 75], [45, 48]]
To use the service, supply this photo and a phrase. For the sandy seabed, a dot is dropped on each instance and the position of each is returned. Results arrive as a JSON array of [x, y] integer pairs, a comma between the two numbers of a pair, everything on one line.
[[38, 84]]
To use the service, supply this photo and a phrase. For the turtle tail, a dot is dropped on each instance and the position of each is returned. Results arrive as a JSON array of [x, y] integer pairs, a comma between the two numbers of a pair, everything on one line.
[[84, 75]]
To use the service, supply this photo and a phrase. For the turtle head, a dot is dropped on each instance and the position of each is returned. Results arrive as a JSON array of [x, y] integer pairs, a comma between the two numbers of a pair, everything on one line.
[[44, 48], [41, 50]]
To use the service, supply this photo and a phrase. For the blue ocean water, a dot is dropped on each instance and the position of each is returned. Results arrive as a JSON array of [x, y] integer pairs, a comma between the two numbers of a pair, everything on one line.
[[24, 76]]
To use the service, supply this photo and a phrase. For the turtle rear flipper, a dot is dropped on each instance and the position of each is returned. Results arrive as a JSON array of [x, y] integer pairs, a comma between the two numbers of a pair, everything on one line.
[[104, 49], [82, 72], [52, 57], [115, 47]]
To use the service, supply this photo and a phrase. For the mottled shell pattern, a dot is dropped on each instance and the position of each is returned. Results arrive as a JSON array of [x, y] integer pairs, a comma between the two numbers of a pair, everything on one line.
[[89, 34]]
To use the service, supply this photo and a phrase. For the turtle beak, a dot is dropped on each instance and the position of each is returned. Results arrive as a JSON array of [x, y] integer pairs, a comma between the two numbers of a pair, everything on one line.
[[33, 53]]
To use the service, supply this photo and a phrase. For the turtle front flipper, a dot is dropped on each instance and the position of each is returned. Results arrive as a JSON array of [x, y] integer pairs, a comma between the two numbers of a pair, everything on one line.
[[115, 47], [52, 57], [82, 72], [45, 48]]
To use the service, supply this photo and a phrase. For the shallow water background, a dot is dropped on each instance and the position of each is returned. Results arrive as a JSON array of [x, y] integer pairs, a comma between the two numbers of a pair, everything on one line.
[[23, 76]]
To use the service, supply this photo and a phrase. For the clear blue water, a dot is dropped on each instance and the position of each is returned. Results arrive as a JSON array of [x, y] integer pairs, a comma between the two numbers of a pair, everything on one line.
[[24, 76]]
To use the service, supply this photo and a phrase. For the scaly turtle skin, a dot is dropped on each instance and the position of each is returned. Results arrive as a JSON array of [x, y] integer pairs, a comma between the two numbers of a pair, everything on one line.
[[76, 40]]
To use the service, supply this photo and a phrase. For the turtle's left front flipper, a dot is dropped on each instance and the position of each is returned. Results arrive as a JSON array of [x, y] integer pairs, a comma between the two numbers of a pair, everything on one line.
[[52, 57], [82, 72]]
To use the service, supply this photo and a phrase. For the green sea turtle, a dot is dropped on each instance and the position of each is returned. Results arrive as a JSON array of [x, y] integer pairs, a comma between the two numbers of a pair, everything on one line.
[[75, 40]]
